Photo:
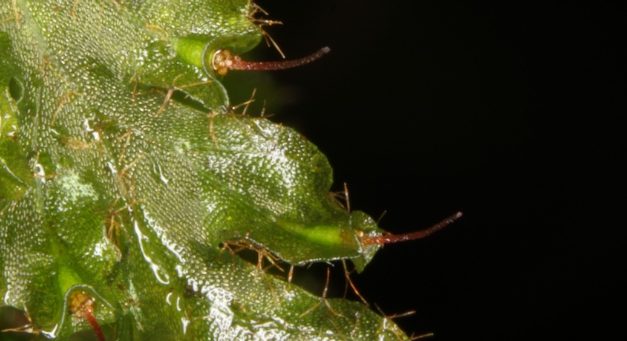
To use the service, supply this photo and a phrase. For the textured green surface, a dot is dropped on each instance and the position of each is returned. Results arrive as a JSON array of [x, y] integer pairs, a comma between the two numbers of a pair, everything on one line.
[[109, 188]]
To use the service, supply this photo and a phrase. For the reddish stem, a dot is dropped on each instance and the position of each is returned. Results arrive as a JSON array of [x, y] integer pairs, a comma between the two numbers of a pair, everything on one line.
[[243, 65], [397, 238], [91, 319]]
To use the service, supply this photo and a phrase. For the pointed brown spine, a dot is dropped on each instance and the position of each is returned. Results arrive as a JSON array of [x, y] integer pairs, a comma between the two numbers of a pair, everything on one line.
[[224, 60], [397, 238]]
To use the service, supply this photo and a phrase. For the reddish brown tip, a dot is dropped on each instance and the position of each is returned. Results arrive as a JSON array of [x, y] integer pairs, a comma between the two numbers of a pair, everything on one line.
[[91, 319], [397, 238], [81, 305], [224, 60]]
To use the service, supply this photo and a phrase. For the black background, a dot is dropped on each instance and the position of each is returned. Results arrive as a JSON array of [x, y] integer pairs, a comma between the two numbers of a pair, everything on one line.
[[508, 112]]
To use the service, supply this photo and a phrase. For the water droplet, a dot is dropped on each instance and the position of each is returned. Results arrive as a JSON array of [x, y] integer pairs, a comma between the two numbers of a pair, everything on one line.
[[185, 323], [163, 179], [40, 173], [161, 277]]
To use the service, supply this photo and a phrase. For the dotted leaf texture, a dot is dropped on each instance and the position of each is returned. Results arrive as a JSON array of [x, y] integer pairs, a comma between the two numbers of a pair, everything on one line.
[[124, 173]]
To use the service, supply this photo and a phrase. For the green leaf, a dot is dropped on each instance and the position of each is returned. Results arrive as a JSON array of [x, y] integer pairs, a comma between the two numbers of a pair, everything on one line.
[[124, 173]]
